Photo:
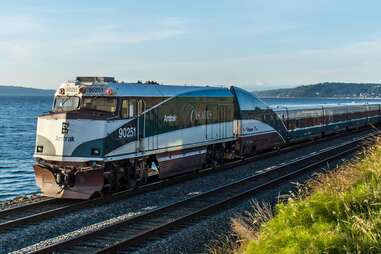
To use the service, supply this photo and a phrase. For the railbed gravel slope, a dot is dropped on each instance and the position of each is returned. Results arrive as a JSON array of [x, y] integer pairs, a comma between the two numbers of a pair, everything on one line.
[[200, 236], [197, 237], [16, 239]]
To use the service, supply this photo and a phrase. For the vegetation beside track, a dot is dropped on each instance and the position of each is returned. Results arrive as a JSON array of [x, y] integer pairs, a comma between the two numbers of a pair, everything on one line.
[[338, 212]]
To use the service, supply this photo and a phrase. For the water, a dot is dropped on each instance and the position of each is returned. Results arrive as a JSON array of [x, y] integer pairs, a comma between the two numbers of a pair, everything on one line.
[[315, 102], [17, 136]]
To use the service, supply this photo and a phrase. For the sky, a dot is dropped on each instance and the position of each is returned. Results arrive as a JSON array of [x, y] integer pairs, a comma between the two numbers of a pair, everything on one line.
[[253, 44]]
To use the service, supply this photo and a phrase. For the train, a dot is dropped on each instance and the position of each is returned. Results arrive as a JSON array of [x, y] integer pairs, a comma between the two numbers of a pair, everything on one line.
[[103, 136]]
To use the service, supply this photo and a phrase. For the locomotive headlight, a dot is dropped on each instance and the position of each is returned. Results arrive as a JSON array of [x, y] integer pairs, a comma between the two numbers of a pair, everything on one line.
[[82, 89], [95, 151], [40, 149]]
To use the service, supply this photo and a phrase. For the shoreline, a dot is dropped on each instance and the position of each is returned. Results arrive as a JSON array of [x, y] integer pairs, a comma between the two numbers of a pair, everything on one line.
[[20, 200]]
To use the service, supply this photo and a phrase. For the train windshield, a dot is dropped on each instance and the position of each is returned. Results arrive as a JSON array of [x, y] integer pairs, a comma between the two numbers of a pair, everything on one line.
[[66, 103], [105, 104]]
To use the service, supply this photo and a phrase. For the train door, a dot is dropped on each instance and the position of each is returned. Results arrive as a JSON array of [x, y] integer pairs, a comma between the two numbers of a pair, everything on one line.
[[222, 119], [140, 125], [151, 130], [209, 122]]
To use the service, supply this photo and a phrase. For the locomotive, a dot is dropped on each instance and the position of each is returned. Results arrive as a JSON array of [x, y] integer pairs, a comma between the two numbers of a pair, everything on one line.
[[102, 135]]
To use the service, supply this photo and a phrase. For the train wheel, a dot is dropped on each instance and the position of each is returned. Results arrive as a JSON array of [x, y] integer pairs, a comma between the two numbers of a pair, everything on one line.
[[141, 172], [215, 155], [131, 177], [97, 194]]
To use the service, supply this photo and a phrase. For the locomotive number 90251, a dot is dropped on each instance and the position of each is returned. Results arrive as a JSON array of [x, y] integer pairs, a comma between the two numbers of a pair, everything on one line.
[[127, 132]]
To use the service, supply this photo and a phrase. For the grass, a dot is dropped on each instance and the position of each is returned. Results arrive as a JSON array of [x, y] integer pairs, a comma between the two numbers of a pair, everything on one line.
[[338, 212], [243, 229]]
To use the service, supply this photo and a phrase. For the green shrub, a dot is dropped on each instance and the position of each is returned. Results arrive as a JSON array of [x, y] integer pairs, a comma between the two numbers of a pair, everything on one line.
[[338, 219]]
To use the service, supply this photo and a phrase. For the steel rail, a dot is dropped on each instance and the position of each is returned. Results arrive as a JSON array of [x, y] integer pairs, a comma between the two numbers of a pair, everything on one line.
[[39, 211], [130, 232], [33, 205], [7, 216]]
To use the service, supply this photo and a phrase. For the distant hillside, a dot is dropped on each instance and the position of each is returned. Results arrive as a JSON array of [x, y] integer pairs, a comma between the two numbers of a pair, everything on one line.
[[24, 91], [328, 89]]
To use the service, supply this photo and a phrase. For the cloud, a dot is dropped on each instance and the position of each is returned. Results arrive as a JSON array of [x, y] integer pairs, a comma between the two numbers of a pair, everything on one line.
[[166, 28], [118, 37], [63, 47], [19, 37], [24, 37], [174, 21], [356, 61], [18, 27], [29, 47], [360, 49], [261, 30], [353, 62], [108, 35], [10, 50]]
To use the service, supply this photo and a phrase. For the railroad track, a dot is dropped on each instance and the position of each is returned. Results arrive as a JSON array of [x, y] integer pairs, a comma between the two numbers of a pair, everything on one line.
[[11, 217], [128, 234], [36, 212]]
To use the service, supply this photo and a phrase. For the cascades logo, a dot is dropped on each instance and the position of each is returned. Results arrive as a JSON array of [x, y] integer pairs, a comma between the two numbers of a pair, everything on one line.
[[200, 115]]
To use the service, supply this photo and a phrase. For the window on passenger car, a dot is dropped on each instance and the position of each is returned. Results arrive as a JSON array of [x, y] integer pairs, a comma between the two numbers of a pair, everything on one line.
[[152, 101]]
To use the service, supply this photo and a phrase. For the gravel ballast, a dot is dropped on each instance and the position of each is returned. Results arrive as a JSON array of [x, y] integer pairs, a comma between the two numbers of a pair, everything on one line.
[[201, 236]]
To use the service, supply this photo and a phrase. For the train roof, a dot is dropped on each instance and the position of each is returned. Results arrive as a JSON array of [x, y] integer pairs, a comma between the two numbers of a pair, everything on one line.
[[154, 90], [107, 86], [247, 100]]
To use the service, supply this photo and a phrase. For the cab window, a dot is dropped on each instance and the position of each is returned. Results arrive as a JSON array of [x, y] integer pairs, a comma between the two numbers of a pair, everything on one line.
[[129, 108], [65, 104], [100, 104], [124, 112]]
